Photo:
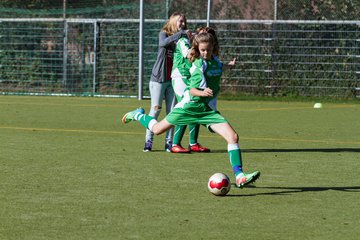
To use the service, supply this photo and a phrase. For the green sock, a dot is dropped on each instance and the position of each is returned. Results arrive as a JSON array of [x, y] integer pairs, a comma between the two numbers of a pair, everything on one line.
[[235, 158], [144, 119], [194, 133], [178, 134]]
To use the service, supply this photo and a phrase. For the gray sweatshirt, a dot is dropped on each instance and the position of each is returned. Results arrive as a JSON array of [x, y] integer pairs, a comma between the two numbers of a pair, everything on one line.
[[166, 44]]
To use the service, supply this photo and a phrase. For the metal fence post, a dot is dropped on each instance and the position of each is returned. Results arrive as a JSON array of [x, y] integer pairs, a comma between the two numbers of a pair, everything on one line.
[[141, 46], [275, 10], [95, 53], [65, 52], [167, 9], [208, 13]]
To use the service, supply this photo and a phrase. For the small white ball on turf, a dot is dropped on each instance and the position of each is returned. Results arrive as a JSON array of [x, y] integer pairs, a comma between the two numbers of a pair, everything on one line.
[[219, 184], [317, 105]]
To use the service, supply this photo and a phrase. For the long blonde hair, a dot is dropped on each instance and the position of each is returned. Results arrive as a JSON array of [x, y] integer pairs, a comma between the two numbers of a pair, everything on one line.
[[200, 38], [170, 26]]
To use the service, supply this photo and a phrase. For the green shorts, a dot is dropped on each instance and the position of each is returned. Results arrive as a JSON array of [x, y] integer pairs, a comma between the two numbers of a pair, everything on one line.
[[194, 113]]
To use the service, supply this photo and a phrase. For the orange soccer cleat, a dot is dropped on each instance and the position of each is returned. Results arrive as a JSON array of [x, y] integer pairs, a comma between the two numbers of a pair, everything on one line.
[[179, 149], [198, 148]]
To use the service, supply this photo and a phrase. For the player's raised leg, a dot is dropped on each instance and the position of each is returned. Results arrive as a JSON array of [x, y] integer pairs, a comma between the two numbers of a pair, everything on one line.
[[130, 116], [147, 121]]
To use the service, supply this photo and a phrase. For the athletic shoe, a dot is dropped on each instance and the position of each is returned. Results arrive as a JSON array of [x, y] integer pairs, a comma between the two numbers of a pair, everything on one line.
[[128, 117], [148, 146], [168, 146], [198, 148], [244, 179], [179, 149]]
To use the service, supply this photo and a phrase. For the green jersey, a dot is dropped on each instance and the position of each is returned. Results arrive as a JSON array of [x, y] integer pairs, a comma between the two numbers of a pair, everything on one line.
[[205, 74], [181, 64], [195, 110]]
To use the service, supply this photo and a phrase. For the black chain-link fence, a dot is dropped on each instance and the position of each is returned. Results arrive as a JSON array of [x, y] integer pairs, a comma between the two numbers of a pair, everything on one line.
[[313, 47], [234, 9]]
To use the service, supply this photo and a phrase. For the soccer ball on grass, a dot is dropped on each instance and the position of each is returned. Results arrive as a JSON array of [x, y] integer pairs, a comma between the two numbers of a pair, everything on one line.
[[219, 184]]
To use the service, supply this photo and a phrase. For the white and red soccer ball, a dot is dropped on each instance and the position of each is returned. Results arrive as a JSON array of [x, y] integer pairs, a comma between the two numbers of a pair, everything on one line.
[[219, 184]]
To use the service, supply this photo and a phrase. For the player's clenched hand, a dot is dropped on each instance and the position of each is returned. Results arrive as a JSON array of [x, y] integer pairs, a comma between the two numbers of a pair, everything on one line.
[[207, 92]]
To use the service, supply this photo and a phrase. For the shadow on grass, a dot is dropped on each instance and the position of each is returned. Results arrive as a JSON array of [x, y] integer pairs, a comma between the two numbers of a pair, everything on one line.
[[292, 190], [275, 150], [326, 150]]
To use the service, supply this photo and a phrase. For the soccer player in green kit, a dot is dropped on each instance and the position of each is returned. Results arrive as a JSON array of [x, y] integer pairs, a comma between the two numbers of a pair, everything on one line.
[[180, 79], [204, 85]]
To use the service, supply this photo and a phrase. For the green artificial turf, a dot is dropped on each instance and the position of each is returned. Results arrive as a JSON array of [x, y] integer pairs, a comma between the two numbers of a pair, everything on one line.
[[71, 170]]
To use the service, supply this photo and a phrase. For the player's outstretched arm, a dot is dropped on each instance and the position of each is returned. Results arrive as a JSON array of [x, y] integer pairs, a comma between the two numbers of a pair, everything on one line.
[[230, 65]]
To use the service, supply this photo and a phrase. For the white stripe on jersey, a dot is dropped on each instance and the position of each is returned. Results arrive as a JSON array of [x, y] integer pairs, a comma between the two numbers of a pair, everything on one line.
[[183, 48], [185, 99], [203, 84]]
